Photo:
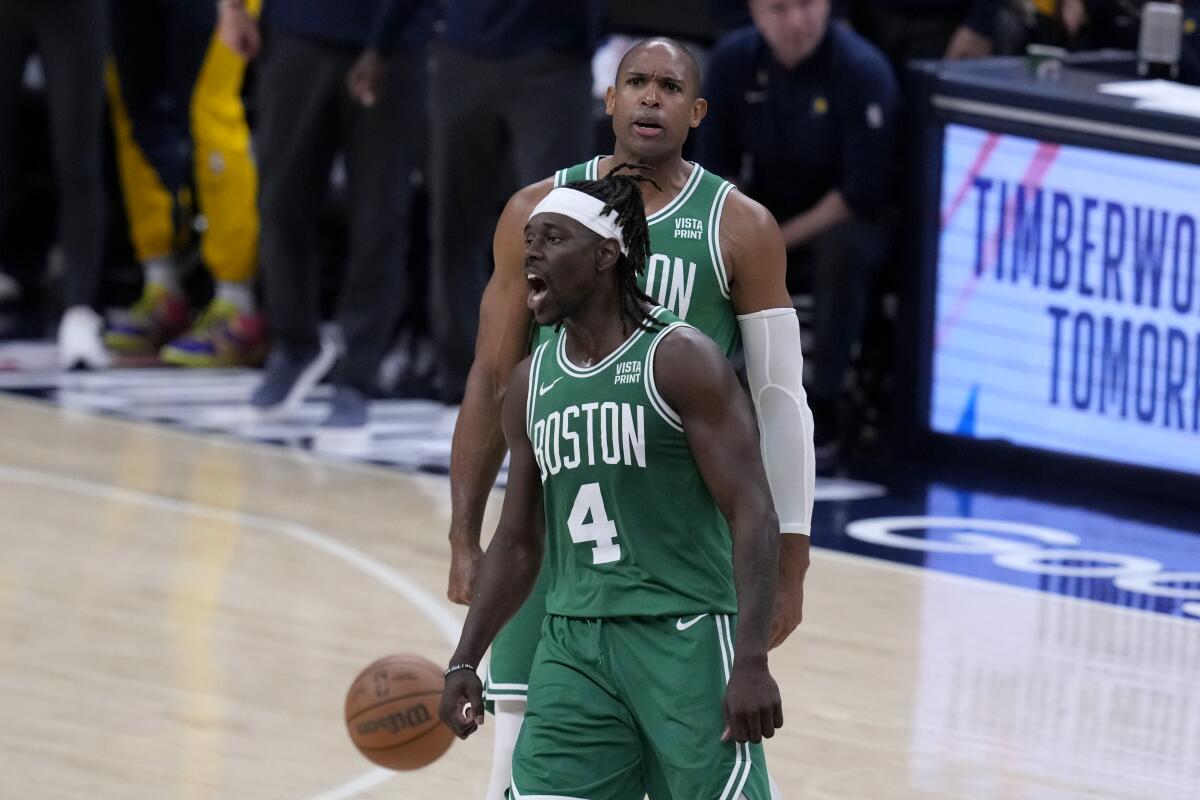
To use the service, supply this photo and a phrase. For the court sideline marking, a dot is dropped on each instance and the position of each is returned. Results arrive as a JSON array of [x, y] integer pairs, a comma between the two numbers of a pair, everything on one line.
[[435, 610]]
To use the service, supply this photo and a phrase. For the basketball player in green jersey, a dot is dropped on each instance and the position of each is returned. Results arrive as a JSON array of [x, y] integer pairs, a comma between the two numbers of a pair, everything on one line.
[[718, 261], [632, 442]]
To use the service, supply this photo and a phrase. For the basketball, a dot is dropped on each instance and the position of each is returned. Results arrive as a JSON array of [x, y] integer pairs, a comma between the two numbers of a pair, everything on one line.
[[392, 712]]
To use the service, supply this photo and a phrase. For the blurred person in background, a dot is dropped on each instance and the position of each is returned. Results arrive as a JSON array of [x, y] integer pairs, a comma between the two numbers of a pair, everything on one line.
[[179, 121], [802, 116], [909, 29], [333, 76], [509, 103], [69, 38]]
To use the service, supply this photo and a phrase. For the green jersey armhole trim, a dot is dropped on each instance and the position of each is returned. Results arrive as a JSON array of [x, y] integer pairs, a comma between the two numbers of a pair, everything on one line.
[[668, 414], [684, 195], [535, 370], [592, 171], [560, 178], [714, 237]]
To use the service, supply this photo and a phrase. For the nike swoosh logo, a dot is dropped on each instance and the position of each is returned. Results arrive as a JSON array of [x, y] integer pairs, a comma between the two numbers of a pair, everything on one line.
[[542, 390], [683, 626]]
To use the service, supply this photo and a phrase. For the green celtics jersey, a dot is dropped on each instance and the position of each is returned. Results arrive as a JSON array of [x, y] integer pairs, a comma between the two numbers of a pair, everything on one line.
[[685, 273], [631, 527]]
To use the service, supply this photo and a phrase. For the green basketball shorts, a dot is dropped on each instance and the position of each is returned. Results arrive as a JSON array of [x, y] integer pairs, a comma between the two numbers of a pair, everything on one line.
[[624, 708], [513, 649]]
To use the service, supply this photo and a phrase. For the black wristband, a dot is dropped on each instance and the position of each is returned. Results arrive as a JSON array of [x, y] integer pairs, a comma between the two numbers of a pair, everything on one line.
[[456, 667]]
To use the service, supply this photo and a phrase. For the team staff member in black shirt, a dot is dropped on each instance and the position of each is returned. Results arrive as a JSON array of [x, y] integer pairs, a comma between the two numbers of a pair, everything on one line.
[[801, 116]]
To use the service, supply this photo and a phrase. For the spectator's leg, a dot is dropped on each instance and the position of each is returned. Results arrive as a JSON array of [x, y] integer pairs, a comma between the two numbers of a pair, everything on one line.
[[382, 144], [466, 142], [71, 41], [144, 51], [226, 178], [229, 332], [549, 112], [148, 96], [148, 205], [161, 313], [299, 84], [845, 260]]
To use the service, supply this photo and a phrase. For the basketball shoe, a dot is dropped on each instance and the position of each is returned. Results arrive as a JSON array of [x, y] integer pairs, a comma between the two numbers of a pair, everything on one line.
[[156, 318], [289, 377], [223, 336], [80, 345]]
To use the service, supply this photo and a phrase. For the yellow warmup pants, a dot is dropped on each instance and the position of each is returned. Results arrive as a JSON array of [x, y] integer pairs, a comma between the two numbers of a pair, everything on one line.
[[226, 179]]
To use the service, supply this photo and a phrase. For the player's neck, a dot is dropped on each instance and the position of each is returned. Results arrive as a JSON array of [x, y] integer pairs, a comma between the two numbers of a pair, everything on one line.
[[670, 173], [596, 330]]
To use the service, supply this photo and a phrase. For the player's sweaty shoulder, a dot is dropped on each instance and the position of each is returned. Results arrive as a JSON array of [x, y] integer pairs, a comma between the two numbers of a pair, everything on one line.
[[686, 359], [754, 254]]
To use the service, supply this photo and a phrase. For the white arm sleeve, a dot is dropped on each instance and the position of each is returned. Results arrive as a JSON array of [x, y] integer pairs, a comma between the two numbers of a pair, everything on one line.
[[775, 367]]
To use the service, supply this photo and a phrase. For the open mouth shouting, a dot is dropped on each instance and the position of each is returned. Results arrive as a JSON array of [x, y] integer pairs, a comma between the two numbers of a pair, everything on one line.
[[537, 289]]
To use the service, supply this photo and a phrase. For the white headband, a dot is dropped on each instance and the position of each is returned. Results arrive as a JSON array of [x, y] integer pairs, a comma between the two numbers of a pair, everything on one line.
[[584, 209]]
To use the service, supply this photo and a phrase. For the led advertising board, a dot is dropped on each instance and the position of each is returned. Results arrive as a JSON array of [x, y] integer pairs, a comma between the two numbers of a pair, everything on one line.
[[1067, 314]]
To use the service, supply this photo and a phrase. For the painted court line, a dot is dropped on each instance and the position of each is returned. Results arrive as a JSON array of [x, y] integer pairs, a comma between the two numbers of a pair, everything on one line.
[[924, 573], [435, 610]]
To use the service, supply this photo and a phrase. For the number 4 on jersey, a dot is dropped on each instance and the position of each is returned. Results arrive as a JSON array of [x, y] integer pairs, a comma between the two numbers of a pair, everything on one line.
[[589, 522]]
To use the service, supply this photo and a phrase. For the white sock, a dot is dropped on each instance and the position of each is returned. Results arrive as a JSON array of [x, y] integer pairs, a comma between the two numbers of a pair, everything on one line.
[[240, 295], [162, 271], [509, 716]]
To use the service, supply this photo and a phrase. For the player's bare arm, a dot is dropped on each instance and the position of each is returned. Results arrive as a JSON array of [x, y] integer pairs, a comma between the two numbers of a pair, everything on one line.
[[507, 571], [696, 380], [478, 446], [756, 261]]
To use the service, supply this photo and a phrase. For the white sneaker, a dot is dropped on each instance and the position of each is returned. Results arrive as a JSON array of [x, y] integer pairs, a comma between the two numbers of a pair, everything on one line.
[[9, 288], [80, 340]]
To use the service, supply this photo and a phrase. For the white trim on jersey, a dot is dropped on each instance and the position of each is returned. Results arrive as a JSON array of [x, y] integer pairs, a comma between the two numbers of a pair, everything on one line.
[[664, 410], [518, 796], [535, 369], [506, 691], [743, 763], [578, 372], [714, 238], [684, 195]]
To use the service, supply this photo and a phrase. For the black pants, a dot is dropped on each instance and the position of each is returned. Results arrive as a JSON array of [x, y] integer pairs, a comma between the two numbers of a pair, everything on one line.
[[69, 37], [491, 120], [306, 118], [838, 267]]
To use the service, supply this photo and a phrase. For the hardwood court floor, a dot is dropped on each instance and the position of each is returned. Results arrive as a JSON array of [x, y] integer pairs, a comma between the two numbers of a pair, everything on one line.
[[180, 617]]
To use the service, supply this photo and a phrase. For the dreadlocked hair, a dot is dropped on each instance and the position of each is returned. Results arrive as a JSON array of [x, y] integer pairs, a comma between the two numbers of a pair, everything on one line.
[[620, 193]]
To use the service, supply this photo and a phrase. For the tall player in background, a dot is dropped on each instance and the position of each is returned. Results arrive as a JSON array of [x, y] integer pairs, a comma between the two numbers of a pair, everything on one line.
[[717, 261]]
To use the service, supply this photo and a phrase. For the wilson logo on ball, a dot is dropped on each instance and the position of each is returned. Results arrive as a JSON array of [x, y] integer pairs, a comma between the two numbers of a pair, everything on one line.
[[397, 721]]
